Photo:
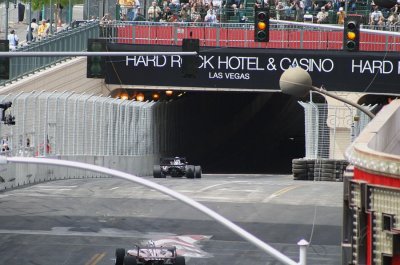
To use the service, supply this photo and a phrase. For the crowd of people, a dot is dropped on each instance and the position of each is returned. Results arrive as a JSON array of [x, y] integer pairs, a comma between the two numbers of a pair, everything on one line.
[[34, 32], [214, 11]]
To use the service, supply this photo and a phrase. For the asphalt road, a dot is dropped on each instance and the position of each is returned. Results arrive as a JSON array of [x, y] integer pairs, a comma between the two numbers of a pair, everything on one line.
[[83, 221]]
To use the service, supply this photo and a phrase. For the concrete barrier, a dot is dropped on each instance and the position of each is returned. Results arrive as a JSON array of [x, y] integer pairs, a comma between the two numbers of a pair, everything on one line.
[[16, 175]]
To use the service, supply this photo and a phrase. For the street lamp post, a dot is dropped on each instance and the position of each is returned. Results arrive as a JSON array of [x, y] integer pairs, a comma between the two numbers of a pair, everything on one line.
[[297, 82]]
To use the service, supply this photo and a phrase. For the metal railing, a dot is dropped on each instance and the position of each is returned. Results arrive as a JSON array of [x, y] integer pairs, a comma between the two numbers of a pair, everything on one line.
[[283, 35], [74, 39]]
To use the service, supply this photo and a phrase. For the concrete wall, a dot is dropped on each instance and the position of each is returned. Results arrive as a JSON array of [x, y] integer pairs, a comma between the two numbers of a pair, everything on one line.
[[15, 175]]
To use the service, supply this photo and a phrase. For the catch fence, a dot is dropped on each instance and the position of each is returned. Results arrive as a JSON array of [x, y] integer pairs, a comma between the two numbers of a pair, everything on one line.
[[69, 124], [329, 129]]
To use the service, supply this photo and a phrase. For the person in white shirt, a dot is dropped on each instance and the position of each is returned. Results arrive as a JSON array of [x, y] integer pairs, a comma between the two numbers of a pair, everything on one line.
[[210, 17], [13, 40], [34, 31], [376, 17], [322, 16]]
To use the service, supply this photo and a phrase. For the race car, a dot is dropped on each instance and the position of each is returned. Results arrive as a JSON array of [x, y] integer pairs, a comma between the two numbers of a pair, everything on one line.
[[176, 167], [148, 255]]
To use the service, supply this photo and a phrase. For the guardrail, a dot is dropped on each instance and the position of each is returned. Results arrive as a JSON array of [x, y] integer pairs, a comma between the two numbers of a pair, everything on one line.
[[67, 40]]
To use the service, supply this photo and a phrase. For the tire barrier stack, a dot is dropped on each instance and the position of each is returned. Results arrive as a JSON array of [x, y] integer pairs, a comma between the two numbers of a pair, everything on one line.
[[303, 169], [318, 169]]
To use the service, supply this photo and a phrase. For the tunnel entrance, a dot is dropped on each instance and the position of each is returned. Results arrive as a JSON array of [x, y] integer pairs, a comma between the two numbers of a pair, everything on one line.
[[232, 132]]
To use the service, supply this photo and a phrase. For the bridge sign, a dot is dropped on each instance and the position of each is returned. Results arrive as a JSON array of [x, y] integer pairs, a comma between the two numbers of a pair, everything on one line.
[[255, 69]]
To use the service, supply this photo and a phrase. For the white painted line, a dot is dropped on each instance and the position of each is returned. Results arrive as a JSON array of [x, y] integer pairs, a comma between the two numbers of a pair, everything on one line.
[[53, 186], [54, 189], [220, 184], [114, 188], [227, 189]]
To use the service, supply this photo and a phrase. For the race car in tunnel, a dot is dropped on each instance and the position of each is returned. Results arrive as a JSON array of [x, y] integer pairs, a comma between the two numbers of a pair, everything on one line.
[[176, 167], [148, 255]]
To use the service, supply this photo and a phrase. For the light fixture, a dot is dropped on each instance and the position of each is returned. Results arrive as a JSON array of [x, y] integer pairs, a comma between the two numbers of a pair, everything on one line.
[[140, 96], [124, 96], [155, 96], [169, 92]]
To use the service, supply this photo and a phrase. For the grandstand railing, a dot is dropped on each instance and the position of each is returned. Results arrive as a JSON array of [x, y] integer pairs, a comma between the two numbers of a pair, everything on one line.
[[283, 35]]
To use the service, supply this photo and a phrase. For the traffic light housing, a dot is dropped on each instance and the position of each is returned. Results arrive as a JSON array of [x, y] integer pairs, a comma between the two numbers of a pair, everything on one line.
[[261, 24], [4, 61], [96, 65], [190, 63], [351, 34]]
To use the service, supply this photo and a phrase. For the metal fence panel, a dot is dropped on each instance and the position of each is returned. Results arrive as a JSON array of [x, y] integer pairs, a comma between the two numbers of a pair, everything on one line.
[[329, 130]]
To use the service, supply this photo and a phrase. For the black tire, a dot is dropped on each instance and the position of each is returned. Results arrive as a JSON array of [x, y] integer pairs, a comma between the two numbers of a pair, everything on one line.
[[299, 171], [190, 172], [180, 260], [300, 176], [197, 172], [157, 171], [130, 260], [119, 256]]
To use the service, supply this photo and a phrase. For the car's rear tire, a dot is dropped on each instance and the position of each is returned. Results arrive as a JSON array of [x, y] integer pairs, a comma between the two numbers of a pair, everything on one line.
[[190, 172], [157, 171], [130, 260], [119, 256], [197, 172], [180, 260]]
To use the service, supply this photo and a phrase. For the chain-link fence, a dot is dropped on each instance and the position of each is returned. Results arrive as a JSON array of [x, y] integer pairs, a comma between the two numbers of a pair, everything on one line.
[[69, 124], [329, 130]]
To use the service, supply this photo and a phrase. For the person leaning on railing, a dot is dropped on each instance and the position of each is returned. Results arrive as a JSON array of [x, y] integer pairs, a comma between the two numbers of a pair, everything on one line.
[[42, 29], [341, 16]]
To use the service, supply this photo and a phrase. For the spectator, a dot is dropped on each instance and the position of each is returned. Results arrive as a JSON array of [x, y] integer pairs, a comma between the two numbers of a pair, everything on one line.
[[32, 36], [259, 3], [376, 18], [106, 19], [352, 5], [393, 19], [280, 11], [154, 12], [13, 40], [42, 29], [166, 14], [210, 17], [322, 16], [134, 11], [318, 4], [184, 13], [298, 6], [175, 5], [328, 6], [341, 16], [174, 18], [195, 15]]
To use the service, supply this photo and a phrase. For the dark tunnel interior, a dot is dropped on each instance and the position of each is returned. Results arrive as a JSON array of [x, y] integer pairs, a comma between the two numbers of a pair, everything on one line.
[[234, 132]]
